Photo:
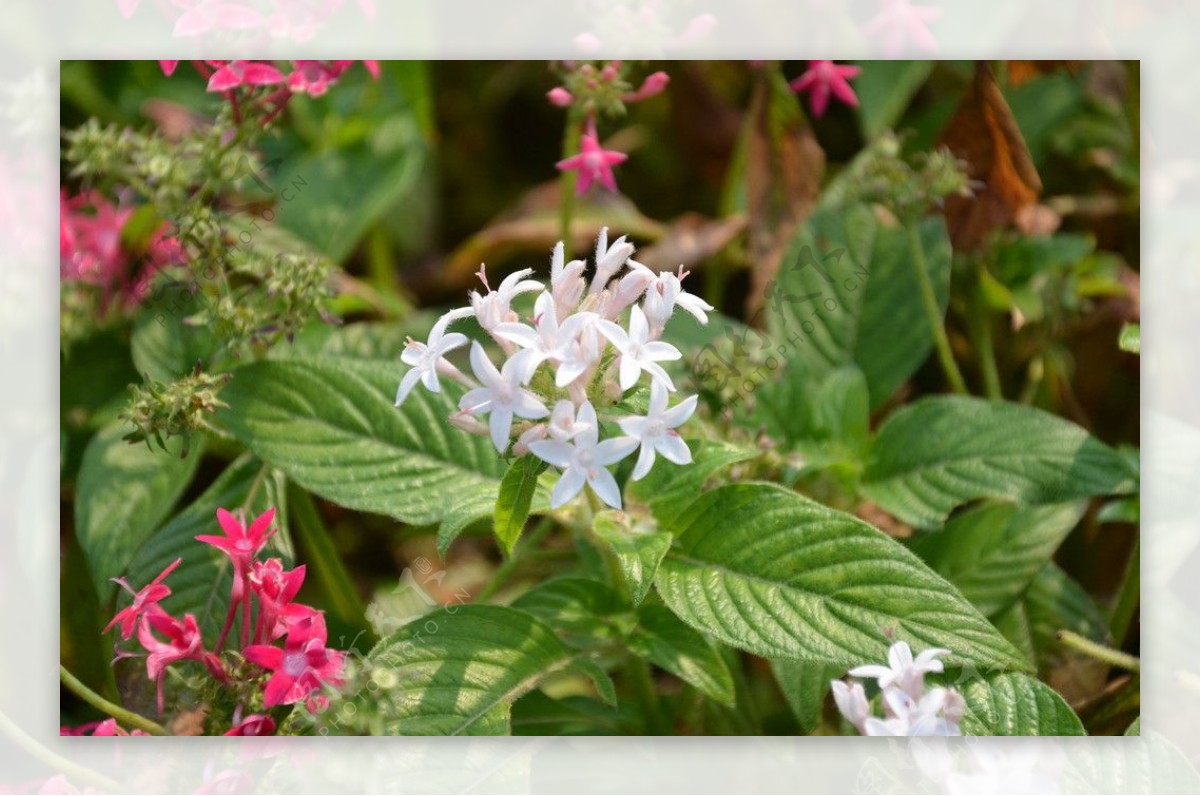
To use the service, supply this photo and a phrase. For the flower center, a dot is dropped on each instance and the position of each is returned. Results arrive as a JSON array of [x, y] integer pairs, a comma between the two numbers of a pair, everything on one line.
[[656, 428], [244, 545], [295, 664]]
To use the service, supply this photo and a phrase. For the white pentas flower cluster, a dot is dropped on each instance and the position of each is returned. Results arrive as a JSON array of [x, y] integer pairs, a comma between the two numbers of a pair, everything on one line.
[[575, 353], [907, 707]]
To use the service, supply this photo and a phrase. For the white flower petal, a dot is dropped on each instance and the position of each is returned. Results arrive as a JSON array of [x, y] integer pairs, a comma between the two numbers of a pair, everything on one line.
[[450, 342], [500, 424], [605, 486], [630, 370], [611, 451], [476, 401], [677, 415], [568, 486], [525, 404], [553, 452], [674, 449], [406, 384], [659, 351], [644, 463], [519, 333], [485, 371]]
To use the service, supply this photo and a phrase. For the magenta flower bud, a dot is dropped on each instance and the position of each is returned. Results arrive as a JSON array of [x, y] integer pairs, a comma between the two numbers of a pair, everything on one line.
[[609, 72], [560, 97], [653, 84]]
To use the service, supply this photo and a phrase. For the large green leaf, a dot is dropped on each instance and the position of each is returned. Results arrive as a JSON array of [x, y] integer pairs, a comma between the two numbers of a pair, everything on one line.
[[992, 552], [163, 345], [332, 428], [457, 671], [124, 492], [1009, 703], [942, 451], [201, 584], [773, 573], [639, 550], [584, 612], [668, 488], [663, 639], [848, 293]]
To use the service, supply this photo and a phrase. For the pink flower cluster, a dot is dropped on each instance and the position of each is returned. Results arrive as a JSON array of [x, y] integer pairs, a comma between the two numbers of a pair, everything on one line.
[[99, 728], [825, 79], [92, 251], [239, 79], [265, 594]]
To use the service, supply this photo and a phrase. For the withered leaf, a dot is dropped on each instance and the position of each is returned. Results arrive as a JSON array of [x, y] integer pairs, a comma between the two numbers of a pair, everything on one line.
[[984, 134]]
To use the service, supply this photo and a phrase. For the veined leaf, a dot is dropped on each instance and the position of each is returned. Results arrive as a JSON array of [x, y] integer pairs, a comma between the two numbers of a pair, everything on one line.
[[457, 672], [992, 552], [771, 572], [124, 492], [1010, 703], [639, 551], [583, 612], [884, 89], [162, 345], [332, 429], [848, 294], [943, 451]]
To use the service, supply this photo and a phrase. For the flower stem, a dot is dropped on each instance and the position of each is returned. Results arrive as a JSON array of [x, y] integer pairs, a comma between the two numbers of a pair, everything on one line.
[[981, 333], [104, 706], [566, 203], [934, 314], [44, 755], [1099, 652], [643, 684], [1127, 597], [510, 564]]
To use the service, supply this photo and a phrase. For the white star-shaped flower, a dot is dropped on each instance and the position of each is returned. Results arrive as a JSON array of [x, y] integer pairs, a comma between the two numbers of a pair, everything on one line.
[[903, 671], [656, 431], [566, 280], [495, 306], [638, 351], [585, 460], [666, 293], [542, 341], [426, 358], [580, 351], [609, 259], [928, 715], [501, 395]]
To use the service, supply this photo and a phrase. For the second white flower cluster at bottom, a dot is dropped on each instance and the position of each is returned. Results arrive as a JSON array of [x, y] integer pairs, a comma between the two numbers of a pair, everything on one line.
[[591, 359]]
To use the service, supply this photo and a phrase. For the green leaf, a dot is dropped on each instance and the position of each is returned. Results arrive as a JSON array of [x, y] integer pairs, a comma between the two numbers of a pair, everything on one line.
[[638, 549], [940, 452], [201, 584], [1131, 338], [804, 685], [332, 428], [664, 640], [668, 488], [516, 497], [124, 492], [538, 714], [992, 552], [457, 671], [164, 347], [1010, 703], [885, 89], [330, 198], [1134, 729], [771, 572], [847, 293]]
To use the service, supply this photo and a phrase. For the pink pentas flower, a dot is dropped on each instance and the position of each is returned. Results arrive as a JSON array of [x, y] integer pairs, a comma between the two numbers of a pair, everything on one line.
[[256, 724], [143, 600], [90, 239], [275, 590], [301, 668], [900, 22], [824, 79], [240, 543], [109, 727], [236, 74], [183, 643], [594, 163]]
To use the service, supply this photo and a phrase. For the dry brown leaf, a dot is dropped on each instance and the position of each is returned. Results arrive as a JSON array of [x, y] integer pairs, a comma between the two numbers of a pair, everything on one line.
[[984, 134], [1022, 72], [690, 240], [784, 166]]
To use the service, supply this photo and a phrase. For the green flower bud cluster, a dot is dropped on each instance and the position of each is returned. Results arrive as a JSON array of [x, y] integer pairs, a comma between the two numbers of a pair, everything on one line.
[[178, 408]]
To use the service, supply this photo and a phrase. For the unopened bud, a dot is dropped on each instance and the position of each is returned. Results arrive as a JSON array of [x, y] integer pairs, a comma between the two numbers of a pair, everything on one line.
[[560, 97], [651, 86], [469, 423]]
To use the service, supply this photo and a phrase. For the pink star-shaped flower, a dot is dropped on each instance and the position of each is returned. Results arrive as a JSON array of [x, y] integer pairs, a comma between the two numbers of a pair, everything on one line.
[[183, 643], [240, 543], [593, 163], [900, 22], [143, 600], [235, 74], [301, 667], [256, 724], [825, 78], [276, 589]]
